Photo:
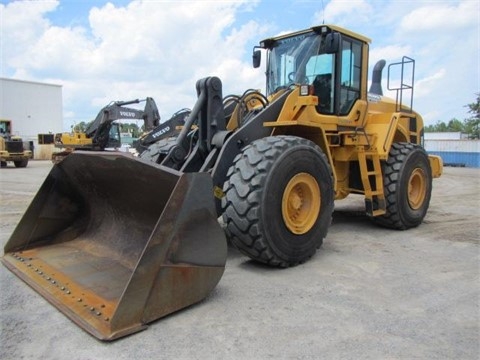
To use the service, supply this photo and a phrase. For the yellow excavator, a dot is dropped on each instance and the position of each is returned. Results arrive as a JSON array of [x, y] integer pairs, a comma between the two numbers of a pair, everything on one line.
[[103, 132], [115, 241]]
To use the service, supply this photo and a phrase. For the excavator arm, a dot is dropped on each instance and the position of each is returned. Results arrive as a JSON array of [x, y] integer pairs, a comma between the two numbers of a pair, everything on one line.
[[99, 129]]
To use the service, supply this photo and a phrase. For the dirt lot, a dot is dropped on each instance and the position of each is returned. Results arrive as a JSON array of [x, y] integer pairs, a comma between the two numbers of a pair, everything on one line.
[[369, 293]]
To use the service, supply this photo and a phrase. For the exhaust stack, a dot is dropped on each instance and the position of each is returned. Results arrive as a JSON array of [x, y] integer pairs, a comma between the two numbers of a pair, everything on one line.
[[376, 86]]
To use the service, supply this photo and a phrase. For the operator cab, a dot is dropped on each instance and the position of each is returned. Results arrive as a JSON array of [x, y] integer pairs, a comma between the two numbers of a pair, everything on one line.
[[5, 128], [327, 58]]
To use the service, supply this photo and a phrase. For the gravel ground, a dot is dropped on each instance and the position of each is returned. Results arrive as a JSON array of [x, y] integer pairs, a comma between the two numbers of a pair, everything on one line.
[[368, 293]]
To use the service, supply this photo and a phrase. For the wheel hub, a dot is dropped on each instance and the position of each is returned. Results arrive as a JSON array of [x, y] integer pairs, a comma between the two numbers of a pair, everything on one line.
[[301, 203], [417, 188]]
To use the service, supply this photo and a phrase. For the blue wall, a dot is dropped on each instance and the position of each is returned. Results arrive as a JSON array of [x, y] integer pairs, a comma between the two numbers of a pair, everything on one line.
[[452, 158]]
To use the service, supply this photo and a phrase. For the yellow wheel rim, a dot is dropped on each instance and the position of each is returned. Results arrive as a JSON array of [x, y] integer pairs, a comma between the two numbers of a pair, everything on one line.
[[417, 188], [301, 203]]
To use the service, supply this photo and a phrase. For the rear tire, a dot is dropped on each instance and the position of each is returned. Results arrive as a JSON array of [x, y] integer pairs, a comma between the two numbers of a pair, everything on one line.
[[21, 163], [278, 200], [407, 185]]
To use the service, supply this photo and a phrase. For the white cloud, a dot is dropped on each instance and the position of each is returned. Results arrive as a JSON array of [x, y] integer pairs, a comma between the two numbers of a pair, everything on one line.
[[388, 53], [21, 26], [428, 85], [431, 117], [441, 16], [157, 49], [443, 38], [63, 51], [346, 11], [161, 48]]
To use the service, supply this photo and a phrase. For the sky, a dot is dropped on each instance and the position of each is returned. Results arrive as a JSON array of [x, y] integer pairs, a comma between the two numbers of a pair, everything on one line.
[[102, 51]]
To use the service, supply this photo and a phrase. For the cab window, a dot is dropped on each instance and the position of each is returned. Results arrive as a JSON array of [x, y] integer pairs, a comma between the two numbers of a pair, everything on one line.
[[320, 70], [350, 75]]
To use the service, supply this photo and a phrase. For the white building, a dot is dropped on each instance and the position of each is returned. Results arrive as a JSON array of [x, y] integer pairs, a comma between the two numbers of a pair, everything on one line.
[[34, 108], [449, 135], [454, 148]]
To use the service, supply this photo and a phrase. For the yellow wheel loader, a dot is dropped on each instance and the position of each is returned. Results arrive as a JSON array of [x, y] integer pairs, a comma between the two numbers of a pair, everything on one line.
[[116, 242], [12, 147]]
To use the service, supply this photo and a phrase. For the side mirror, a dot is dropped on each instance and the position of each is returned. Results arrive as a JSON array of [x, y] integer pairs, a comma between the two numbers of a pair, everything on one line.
[[332, 42], [256, 58]]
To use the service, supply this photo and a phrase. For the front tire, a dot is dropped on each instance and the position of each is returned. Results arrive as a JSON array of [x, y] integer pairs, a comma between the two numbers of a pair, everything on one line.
[[157, 152], [407, 187], [278, 200], [21, 163]]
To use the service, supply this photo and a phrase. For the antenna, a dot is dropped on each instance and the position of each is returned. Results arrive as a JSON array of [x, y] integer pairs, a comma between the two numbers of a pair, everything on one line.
[[323, 14]]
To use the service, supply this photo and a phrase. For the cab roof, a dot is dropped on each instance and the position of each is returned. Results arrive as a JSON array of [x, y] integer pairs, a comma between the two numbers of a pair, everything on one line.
[[318, 29]]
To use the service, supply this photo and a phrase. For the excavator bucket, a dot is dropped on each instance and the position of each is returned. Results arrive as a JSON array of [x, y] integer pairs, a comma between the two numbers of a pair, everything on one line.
[[115, 242]]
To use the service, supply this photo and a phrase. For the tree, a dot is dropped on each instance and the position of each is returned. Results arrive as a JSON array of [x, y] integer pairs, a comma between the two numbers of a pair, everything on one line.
[[475, 108], [80, 127], [440, 126], [131, 128], [472, 125], [455, 125]]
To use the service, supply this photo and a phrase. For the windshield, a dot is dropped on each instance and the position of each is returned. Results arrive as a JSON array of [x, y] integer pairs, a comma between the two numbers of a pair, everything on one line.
[[308, 60], [296, 60]]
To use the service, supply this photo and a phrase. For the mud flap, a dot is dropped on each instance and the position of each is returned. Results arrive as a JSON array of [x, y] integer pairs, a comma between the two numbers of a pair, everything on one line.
[[115, 242]]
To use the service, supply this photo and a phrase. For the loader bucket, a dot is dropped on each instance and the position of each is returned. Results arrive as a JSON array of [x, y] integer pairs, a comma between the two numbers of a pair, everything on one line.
[[115, 242]]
